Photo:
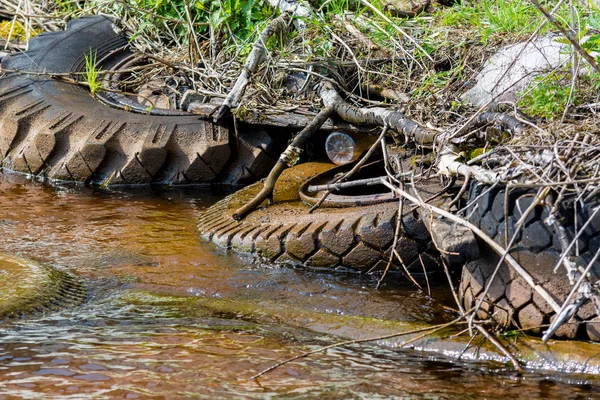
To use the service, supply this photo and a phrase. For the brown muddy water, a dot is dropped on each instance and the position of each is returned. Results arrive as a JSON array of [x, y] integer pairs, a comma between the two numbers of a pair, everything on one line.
[[170, 317]]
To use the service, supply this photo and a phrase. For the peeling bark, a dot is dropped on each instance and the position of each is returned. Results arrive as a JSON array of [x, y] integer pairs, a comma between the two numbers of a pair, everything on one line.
[[377, 116], [449, 165], [508, 122]]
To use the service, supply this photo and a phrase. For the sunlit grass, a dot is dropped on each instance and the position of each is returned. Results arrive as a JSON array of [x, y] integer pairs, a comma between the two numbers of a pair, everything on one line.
[[92, 73]]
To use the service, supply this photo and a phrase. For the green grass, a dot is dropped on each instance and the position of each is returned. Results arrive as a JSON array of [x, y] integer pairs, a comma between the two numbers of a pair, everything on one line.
[[225, 17], [66, 5], [448, 33], [548, 96], [514, 16], [461, 15], [495, 18], [92, 73], [338, 7]]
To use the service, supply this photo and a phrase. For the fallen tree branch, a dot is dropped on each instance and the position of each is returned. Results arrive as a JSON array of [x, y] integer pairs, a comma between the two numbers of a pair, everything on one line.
[[449, 165], [480, 328], [377, 116], [500, 347], [582, 286], [287, 159], [257, 56], [333, 187], [346, 21], [397, 233], [506, 121], [397, 28]]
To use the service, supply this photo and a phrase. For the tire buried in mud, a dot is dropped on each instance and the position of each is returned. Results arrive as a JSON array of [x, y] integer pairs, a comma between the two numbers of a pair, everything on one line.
[[56, 129], [355, 238], [28, 288], [510, 301]]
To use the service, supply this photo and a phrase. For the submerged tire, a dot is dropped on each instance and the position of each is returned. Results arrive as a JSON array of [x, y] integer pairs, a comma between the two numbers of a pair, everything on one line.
[[352, 238], [56, 129], [28, 288], [511, 302]]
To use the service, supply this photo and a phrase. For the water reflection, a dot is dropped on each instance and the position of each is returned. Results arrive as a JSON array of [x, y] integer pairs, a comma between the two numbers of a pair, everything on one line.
[[168, 317]]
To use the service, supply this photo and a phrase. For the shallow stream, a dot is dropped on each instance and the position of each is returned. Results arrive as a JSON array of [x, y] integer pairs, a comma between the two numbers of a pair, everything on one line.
[[170, 317]]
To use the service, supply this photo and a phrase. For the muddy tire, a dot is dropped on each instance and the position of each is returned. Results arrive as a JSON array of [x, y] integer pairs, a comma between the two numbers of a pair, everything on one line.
[[28, 288], [353, 238], [56, 129], [511, 302]]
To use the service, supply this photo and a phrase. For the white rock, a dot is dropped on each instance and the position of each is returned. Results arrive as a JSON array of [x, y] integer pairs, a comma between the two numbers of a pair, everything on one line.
[[530, 60]]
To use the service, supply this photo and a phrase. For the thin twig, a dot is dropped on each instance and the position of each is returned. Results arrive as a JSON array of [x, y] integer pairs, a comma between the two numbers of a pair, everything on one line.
[[568, 35], [426, 331], [500, 347], [287, 159], [495, 246]]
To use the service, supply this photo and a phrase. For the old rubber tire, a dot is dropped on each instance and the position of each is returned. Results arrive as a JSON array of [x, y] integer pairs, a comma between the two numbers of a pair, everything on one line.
[[56, 129], [28, 288], [352, 238], [510, 300]]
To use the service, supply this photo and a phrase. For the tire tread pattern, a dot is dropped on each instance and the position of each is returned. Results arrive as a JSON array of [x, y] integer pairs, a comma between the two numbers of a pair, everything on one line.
[[55, 129], [511, 302], [352, 240]]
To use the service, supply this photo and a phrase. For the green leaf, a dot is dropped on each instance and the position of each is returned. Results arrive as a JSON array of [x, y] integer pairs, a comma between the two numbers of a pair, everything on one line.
[[594, 21], [592, 43], [217, 18]]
